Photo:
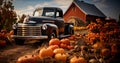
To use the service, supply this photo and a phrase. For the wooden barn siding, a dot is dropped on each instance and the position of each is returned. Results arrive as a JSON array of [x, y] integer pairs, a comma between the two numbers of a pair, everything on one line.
[[76, 13], [90, 18]]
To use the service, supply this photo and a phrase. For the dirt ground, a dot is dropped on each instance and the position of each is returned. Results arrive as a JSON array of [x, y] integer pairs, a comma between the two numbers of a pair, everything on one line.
[[10, 53]]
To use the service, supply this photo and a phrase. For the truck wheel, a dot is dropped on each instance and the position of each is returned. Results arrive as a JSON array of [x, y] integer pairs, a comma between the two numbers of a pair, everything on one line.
[[53, 35], [19, 41], [71, 31]]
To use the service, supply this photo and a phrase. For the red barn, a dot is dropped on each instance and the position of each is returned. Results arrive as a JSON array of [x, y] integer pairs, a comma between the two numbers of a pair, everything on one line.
[[84, 11]]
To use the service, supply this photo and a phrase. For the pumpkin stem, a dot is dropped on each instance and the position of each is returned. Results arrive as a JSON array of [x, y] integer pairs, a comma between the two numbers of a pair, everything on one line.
[[32, 55], [25, 56]]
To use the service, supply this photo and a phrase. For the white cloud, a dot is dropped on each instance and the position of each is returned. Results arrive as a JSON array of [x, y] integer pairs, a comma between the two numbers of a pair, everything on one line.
[[30, 7], [62, 2], [54, 3], [45, 4], [27, 11]]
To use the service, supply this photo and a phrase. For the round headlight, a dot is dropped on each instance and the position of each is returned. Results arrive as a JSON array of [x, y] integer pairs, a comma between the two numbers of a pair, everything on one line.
[[14, 26], [44, 26]]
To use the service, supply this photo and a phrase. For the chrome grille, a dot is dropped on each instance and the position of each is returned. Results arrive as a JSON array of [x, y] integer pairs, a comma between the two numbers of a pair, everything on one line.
[[29, 31]]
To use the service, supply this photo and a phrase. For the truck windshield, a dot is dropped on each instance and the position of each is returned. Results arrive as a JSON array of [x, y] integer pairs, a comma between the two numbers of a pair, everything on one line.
[[44, 12], [38, 12], [49, 12]]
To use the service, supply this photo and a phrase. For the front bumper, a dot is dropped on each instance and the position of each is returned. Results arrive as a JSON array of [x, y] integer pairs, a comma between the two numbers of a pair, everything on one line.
[[29, 37]]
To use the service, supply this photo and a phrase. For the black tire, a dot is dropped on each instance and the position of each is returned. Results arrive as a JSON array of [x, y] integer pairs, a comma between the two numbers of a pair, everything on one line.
[[71, 31], [19, 41], [52, 35]]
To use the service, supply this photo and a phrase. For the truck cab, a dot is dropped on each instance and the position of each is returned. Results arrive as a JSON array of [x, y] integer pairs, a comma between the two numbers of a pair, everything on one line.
[[49, 12], [46, 23]]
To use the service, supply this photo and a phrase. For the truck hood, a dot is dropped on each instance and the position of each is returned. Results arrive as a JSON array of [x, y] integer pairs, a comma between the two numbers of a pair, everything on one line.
[[39, 21]]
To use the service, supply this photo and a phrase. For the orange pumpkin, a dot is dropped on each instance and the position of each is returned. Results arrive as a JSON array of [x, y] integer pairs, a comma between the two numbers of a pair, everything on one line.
[[97, 45], [93, 61], [4, 31], [54, 41], [72, 42], [70, 47], [74, 60], [82, 60], [114, 49], [65, 41], [105, 52], [11, 32], [53, 47], [77, 60], [61, 57], [71, 37], [62, 45], [28, 59], [78, 34], [46, 52], [2, 43], [59, 50]]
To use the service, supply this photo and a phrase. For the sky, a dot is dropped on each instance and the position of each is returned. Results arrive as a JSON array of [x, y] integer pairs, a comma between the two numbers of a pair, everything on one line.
[[111, 8]]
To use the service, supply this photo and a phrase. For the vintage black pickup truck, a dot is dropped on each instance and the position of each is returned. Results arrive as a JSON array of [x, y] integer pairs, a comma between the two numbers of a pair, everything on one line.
[[46, 23]]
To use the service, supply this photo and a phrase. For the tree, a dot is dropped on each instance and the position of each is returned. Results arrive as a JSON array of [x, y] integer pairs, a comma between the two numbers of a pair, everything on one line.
[[7, 15], [1, 1], [21, 19]]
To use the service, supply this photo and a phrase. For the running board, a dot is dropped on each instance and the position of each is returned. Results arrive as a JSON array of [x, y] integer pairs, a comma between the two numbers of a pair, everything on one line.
[[64, 36]]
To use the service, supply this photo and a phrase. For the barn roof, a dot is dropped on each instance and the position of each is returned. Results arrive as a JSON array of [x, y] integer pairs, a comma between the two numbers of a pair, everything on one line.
[[89, 9]]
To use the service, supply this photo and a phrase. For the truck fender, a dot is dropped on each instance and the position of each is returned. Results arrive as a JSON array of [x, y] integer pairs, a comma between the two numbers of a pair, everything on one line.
[[71, 26], [53, 28], [71, 29]]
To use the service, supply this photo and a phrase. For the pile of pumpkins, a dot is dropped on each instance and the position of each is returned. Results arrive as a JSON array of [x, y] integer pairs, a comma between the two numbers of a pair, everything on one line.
[[5, 36], [67, 50], [57, 50]]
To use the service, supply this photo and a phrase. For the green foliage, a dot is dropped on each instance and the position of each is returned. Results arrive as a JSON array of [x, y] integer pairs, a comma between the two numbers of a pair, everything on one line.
[[7, 15]]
